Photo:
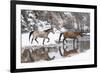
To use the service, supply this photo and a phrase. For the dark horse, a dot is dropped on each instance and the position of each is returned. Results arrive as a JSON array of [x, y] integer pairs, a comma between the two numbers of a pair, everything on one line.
[[41, 34], [72, 35]]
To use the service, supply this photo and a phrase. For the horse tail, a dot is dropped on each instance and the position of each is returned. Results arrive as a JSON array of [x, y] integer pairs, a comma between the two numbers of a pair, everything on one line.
[[60, 52], [60, 36], [30, 34], [50, 58]]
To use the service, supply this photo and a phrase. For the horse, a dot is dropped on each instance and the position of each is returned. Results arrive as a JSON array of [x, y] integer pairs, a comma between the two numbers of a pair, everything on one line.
[[41, 54], [72, 35], [41, 34], [67, 53], [30, 55]]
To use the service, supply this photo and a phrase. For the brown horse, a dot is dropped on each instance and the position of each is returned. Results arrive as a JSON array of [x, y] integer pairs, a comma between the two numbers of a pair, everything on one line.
[[67, 53], [72, 35]]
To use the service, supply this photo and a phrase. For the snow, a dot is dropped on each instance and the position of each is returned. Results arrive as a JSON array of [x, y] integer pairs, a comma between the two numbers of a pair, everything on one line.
[[43, 25], [63, 29]]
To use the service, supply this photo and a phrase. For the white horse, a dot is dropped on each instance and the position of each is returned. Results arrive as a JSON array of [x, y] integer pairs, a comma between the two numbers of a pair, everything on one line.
[[41, 34]]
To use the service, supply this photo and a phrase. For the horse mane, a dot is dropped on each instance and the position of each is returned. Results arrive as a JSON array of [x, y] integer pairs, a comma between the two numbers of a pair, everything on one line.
[[47, 30]]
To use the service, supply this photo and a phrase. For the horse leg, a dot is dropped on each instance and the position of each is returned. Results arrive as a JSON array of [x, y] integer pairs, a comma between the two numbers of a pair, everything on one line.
[[60, 37], [77, 43], [74, 44], [66, 43], [48, 40], [32, 40], [43, 41], [36, 39], [63, 42]]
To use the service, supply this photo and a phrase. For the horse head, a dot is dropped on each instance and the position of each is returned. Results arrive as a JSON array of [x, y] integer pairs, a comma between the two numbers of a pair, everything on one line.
[[81, 34], [50, 30]]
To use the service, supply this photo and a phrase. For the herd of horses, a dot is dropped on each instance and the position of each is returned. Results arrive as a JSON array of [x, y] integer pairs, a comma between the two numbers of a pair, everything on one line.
[[44, 34], [39, 54]]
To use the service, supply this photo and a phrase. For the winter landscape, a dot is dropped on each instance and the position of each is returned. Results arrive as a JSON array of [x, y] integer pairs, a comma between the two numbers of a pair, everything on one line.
[[52, 35]]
